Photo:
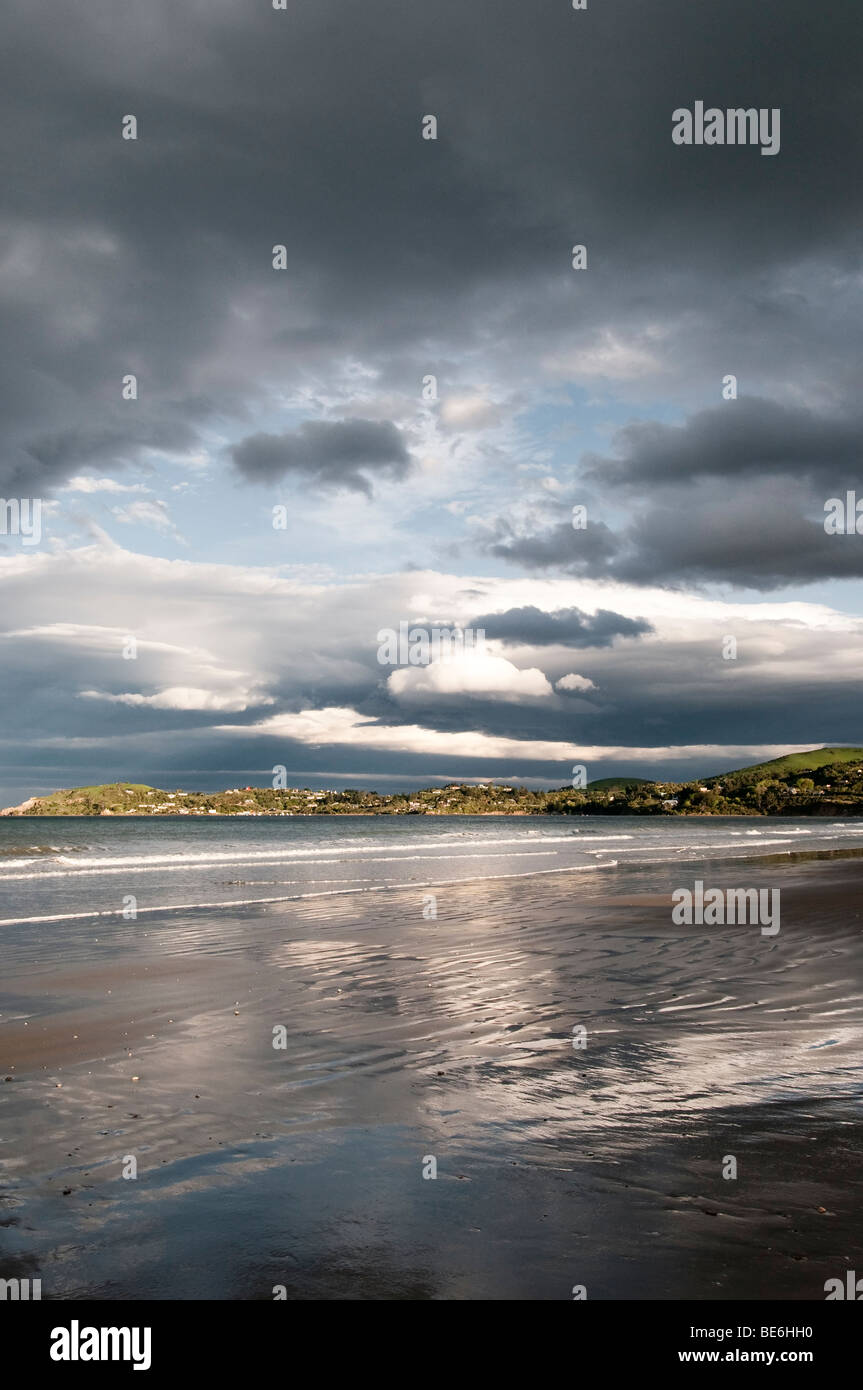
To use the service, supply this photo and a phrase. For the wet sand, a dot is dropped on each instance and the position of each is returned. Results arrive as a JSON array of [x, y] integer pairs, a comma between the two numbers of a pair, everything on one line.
[[450, 1039]]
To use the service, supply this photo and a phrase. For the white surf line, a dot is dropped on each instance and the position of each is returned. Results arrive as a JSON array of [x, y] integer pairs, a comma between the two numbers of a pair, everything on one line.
[[297, 897], [442, 844], [681, 849], [259, 863]]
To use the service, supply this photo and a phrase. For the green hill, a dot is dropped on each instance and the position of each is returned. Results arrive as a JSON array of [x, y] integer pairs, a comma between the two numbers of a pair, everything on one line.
[[84, 801], [791, 763]]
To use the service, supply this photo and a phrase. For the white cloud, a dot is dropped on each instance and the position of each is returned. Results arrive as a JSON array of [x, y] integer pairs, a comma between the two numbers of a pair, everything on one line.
[[185, 698], [154, 514], [574, 682], [346, 727], [319, 728], [471, 672], [469, 412]]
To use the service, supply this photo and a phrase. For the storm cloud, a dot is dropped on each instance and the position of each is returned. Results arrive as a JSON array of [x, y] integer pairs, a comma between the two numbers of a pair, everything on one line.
[[739, 440], [259, 127], [567, 627], [736, 494], [331, 454]]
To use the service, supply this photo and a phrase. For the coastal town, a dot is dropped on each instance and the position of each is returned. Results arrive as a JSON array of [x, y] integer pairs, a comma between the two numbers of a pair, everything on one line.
[[820, 782]]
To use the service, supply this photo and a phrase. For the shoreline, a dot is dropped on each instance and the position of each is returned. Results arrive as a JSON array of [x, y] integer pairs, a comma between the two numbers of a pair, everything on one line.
[[720, 863]]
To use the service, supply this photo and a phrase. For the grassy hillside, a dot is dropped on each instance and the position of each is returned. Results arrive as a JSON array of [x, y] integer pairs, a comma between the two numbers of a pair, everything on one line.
[[793, 763], [85, 801]]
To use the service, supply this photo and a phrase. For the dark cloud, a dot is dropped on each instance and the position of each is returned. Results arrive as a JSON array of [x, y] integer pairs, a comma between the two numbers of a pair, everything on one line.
[[734, 495], [755, 536], [567, 627], [586, 551], [260, 127], [330, 453], [746, 438]]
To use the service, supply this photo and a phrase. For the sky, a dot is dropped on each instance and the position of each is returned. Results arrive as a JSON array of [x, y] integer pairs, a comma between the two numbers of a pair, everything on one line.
[[392, 420]]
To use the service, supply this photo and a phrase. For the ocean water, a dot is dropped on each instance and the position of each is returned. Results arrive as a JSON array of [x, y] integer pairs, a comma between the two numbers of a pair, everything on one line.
[[75, 868]]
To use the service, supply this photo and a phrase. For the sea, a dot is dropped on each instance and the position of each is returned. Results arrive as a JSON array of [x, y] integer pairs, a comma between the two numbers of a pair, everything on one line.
[[56, 869]]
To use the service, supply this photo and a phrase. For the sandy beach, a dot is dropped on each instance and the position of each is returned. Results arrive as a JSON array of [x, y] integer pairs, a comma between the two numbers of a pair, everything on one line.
[[405, 1040]]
